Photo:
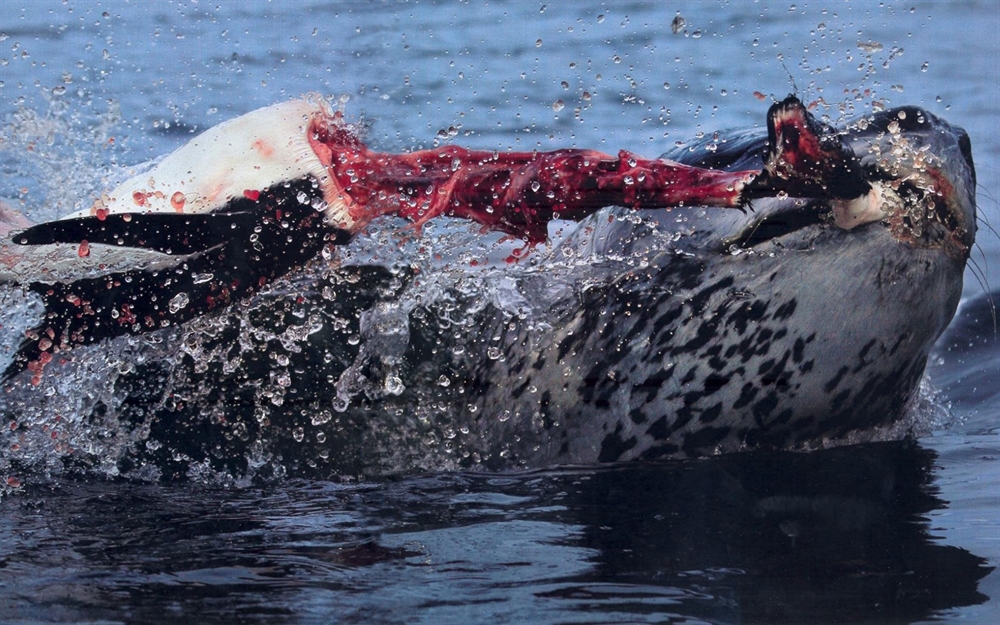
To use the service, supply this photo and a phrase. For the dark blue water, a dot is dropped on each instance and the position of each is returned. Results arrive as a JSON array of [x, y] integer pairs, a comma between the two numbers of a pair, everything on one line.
[[885, 532]]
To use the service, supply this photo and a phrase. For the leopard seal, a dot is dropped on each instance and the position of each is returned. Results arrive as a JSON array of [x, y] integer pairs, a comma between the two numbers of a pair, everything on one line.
[[693, 332], [780, 329]]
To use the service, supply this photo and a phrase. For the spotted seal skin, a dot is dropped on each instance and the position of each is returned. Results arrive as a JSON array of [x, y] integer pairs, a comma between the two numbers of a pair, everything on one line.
[[696, 332]]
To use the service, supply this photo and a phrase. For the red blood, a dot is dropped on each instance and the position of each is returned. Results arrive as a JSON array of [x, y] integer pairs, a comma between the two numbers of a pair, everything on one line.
[[252, 195], [513, 192], [126, 317], [177, 201], [84, 250], [101, 214]]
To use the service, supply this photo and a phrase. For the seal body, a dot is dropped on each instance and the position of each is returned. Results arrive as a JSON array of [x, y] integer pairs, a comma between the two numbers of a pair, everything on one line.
[[781, 329]]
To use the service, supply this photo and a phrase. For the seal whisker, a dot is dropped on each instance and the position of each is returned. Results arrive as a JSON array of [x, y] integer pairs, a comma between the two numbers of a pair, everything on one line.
[[983, 279]]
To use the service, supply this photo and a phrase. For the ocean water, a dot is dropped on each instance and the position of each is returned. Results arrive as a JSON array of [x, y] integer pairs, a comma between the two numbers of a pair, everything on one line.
[[904, 531]]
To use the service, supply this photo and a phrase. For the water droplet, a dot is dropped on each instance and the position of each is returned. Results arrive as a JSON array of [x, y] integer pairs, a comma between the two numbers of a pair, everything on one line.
[[444, 381], [677, 25], [558, 105], [535, 186], [178, 302], [394, 385], [298, 434], [538, 43], [924, 67], [600, 19], [870, 47]]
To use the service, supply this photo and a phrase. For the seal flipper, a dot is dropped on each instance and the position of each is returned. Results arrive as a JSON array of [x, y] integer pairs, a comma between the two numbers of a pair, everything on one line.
[[160, 232], [805, 158]]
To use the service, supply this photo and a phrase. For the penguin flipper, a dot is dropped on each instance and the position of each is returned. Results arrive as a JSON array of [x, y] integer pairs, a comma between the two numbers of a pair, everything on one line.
[[161, 232]]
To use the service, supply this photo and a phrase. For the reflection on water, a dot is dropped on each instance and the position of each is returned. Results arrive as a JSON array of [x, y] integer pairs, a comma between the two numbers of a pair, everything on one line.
[[839, 535]]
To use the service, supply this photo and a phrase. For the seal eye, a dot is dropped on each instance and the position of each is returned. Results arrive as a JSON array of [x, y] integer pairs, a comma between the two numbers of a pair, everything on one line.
[[778, 224]]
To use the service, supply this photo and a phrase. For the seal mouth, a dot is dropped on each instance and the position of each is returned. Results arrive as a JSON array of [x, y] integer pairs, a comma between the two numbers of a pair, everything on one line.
[[903, 168], [779, 223], [916, 213]]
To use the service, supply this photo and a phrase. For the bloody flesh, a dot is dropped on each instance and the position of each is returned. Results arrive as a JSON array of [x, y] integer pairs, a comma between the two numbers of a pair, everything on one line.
[[513, 192]]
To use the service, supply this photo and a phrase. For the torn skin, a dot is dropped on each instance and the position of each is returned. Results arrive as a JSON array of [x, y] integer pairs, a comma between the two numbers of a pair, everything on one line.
[[517, 193], [805, 158]]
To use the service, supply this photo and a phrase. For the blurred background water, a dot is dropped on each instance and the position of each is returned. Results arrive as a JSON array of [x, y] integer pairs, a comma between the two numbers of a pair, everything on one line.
[[891, 532]]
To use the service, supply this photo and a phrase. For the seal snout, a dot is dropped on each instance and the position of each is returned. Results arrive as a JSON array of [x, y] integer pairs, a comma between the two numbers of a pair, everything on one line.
[[924, 168]]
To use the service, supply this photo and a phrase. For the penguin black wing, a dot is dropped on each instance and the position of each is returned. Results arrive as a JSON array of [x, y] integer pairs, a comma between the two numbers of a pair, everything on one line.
[[161, 232], [222, 257]]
